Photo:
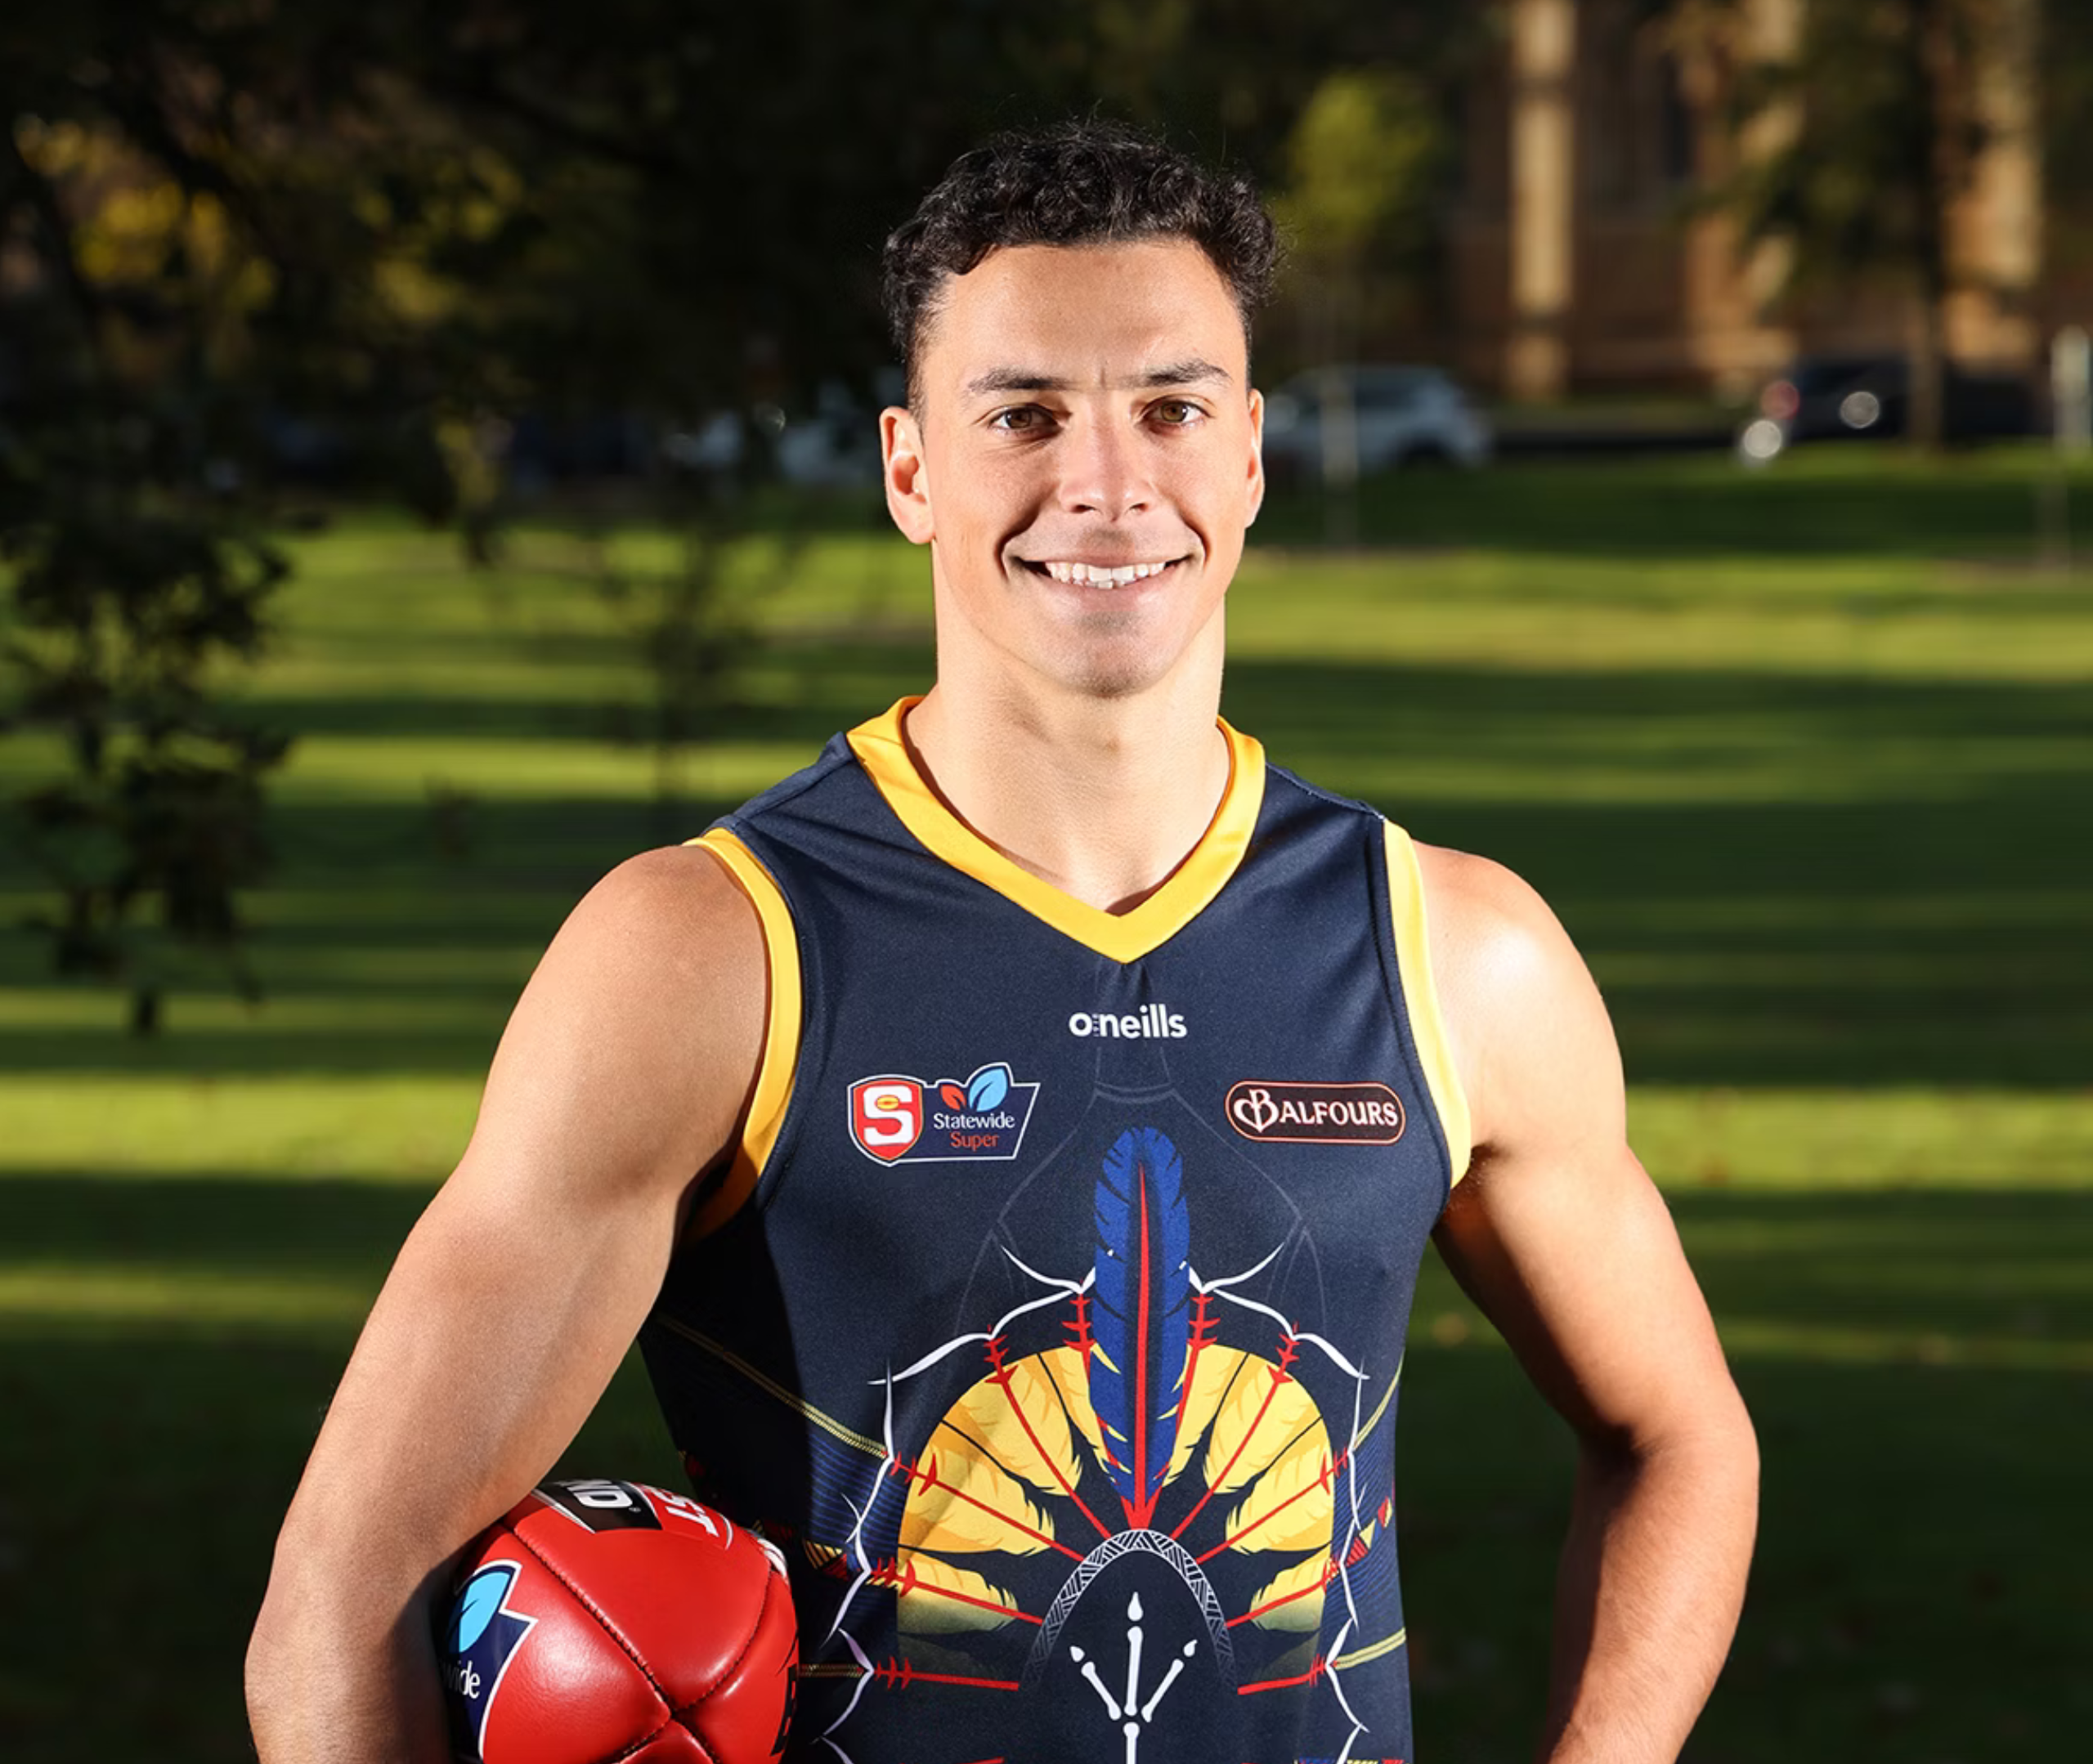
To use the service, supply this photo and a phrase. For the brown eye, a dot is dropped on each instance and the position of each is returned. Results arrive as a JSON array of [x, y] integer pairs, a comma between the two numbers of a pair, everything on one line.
[[1016, 420], [1177, 412]]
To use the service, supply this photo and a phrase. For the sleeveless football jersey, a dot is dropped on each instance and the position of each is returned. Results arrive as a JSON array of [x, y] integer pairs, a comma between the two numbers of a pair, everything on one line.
[[1051, 1314]]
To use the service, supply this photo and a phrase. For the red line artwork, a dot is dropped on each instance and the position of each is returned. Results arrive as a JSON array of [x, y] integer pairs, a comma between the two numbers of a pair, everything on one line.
[[1324, 1481], [1140, 1511], [1000, 1377], [1309, 1677], [1329, 1573], [925, 1475], [1288, 1349], [905, 1581], [900, 1675]]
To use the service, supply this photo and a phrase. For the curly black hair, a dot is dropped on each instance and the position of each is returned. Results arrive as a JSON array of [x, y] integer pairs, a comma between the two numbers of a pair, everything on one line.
[[1076, 183]]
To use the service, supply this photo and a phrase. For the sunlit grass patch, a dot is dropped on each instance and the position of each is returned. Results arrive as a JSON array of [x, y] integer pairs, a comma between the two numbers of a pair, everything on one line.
[[387, 1130], [1813, 1142], [389, 767], [1809, 617], [101, 1300]]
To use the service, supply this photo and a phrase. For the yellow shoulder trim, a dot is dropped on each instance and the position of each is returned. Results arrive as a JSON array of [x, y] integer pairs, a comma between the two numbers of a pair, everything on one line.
[[781, 1034], [1121, 936], [1421, 999]]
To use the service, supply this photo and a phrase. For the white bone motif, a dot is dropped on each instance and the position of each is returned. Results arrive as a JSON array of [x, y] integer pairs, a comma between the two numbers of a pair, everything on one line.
[[1130, 1712]]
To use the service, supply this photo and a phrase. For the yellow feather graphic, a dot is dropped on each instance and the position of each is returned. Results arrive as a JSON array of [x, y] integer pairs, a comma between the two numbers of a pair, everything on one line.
[[1264, 1414], [1210, 1380], [961, 1499], [1068, 1373], [1293, 1600], [937, 1598], [1026, 1432], [1291, 1506]]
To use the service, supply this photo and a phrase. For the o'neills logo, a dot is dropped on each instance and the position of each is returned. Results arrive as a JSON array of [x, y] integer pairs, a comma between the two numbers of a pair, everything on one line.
[[1154, 1021], [1358, 1114]]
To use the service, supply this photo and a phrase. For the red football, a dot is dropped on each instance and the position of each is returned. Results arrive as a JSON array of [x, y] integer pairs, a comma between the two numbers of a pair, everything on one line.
[[608, 1620]]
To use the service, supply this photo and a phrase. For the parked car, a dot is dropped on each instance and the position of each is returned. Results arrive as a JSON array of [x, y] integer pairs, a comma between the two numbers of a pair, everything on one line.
[[834, 447], [1402, 415], [1868, 398], [831, 446]]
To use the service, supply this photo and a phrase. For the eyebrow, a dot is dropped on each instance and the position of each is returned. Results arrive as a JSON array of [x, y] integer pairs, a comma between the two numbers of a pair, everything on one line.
[[1191, 371]]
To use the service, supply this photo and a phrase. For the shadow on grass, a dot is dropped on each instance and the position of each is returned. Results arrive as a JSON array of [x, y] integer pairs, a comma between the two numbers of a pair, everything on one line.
[[147, 1458], [1911, 1596], [145, 1475], [1793, 880], [1915, 1513], [801, 691]]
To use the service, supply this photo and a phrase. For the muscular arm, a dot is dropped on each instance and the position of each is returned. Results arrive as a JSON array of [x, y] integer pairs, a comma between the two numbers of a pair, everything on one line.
[[622, 1075], [1563, 1241]]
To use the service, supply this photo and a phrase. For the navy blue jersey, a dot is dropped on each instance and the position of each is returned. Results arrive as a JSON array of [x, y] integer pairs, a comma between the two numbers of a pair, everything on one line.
[[1051, 1311]]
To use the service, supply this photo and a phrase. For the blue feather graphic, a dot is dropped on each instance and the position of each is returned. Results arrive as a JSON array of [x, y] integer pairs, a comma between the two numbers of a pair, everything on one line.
[[1141, 1314]]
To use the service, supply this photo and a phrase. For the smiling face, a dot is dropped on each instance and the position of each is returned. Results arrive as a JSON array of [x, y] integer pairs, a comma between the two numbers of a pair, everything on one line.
[[1082, 461]]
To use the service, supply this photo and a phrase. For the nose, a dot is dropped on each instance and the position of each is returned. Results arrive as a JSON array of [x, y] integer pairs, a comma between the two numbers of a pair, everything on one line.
[[1104, 467]]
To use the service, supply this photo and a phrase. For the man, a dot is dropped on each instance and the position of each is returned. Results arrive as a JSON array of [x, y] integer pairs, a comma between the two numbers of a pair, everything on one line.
[[1071, 1095]]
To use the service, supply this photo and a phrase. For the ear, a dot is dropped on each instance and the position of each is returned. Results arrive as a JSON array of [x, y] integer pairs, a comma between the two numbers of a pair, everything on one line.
[[907, 479], [1257, 498]]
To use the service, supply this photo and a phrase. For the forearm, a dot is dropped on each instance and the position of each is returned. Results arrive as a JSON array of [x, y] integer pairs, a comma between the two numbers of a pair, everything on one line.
[[1647, 1600], [332, 1687]]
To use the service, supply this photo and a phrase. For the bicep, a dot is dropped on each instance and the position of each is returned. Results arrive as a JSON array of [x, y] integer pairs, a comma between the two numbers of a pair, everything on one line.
[[1579, 1268], [1556, 1233], [496, 1330], [619, 1076]]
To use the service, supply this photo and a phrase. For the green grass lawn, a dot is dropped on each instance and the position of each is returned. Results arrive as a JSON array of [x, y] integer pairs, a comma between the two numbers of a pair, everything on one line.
[[1804, 760]]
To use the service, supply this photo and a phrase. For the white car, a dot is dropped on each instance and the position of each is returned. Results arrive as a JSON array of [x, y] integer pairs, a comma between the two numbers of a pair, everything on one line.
[[834, 447], [1400, 416]]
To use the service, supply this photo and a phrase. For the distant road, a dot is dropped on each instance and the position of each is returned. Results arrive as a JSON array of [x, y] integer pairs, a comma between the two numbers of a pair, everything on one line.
[[1572, 432]]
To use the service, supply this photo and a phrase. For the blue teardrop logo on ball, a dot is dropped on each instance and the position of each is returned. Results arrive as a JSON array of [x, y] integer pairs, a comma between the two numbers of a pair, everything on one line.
[[477, 1604], [477, 1643]]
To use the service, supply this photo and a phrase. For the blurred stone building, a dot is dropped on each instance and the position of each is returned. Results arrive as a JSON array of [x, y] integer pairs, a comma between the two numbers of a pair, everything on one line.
[[1578, 259]]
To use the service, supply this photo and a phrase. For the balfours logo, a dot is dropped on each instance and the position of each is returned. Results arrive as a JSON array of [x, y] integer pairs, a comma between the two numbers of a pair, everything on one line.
[[899, 1120], [1151, 1022], [1357, 1114]]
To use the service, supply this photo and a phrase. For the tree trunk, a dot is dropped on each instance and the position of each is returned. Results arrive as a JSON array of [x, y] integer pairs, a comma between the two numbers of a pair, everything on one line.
[[1926, 396], [1340, 416]]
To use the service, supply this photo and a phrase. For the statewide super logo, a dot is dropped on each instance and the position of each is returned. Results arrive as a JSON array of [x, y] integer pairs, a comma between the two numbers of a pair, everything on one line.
[[899, 1120]]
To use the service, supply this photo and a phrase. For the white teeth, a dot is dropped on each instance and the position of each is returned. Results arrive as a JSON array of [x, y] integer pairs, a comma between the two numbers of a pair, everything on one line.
[[1089, 575]]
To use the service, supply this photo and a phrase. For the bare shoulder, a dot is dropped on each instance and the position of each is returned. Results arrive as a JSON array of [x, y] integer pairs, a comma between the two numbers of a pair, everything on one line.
[[635, 1045], [1530, 1034], [667, 934], [678, 902]]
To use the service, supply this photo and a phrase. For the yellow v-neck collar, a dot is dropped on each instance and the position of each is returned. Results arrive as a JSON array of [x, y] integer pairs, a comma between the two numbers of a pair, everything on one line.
[[1123, 937]]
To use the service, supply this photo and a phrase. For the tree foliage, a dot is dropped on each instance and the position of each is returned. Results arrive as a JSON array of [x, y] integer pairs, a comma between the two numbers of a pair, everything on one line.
[[1363, 163], [121, 620], [1870, 131], [222, 219]]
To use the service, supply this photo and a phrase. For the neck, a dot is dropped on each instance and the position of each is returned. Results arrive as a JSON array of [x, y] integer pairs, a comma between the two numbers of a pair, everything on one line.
[[1102, 799]]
